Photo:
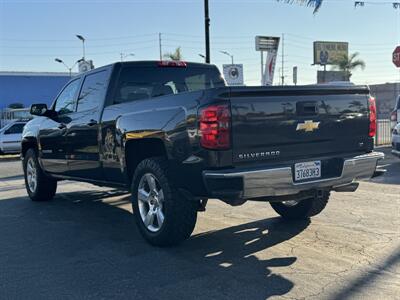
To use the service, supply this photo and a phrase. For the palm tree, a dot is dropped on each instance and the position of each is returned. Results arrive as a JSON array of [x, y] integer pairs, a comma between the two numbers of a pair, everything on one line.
[[313, 3], [347, 64], [176, 55]]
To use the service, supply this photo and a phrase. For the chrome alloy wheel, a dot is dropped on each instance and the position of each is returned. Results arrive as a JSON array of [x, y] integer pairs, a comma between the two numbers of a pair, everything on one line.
[[290, 203], [150, 201], [31, 175]]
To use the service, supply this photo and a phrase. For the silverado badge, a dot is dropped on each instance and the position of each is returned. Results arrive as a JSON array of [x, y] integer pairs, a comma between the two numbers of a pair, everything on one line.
[[308, 126]]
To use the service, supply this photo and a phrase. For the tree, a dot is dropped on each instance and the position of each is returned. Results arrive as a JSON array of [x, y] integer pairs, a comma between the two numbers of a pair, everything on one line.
[[348, 64], [176, 55], [313, 3], [16, 105]]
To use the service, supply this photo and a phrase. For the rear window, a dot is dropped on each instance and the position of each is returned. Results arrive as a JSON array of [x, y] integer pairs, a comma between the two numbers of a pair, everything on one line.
[[139, 82], [15, 129]]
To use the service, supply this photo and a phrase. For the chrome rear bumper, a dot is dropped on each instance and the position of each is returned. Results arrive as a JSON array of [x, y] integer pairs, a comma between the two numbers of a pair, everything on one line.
[[279, 181]]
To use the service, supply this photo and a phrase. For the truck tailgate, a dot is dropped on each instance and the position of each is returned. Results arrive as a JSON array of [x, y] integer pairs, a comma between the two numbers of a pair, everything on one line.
[[293, 123]]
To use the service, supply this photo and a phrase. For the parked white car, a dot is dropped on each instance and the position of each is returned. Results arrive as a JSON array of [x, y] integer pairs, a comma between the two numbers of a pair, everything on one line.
[[10, 137], [396, 140]]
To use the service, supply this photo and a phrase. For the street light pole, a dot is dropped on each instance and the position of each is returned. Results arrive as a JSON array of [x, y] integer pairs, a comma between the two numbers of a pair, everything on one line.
[[123, 55], [207, 30], [83, 44], [227, 53], [69, 68]]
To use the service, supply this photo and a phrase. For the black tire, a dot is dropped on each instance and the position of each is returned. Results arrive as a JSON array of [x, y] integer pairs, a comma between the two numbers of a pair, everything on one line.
[[46, 187], [180, 213], [304, 209]]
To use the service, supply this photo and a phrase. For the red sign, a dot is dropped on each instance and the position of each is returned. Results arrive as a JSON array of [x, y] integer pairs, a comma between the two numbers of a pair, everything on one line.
[[396, 56]]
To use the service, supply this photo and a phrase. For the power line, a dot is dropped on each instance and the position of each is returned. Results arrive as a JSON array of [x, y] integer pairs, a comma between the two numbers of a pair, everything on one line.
[[153, 41]]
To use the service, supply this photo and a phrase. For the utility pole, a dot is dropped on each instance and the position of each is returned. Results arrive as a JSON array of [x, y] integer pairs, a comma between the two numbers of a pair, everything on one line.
[[207, 30], [283, 59], [160, 45]]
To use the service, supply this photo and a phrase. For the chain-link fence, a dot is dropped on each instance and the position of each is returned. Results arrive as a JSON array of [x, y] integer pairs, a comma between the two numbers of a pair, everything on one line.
[[383, 133]]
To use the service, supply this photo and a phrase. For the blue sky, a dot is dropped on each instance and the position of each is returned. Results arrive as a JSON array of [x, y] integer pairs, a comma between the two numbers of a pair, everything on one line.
[[33, 33]]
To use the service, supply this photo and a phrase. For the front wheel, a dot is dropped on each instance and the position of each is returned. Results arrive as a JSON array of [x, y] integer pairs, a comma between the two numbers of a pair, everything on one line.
[[163, 215], [301, 209], [39, 186]]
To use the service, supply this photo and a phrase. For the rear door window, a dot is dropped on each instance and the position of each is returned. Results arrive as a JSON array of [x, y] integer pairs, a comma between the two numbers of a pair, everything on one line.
[[93, 91], [15, 129]]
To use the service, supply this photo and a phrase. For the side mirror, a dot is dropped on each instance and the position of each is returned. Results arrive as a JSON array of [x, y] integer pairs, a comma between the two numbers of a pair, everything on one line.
[[38, 109]]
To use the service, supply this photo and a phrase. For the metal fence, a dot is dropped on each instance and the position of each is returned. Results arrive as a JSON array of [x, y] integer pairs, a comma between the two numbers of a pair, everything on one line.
[[383, 132], [9, 115]]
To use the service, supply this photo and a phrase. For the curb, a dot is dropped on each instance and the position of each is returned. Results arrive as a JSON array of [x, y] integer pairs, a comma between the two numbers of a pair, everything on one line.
[[9, 158]]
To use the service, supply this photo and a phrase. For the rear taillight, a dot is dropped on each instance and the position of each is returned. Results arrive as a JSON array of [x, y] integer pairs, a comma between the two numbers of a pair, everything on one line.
[[372, 117], [393, 116], [215, 125]]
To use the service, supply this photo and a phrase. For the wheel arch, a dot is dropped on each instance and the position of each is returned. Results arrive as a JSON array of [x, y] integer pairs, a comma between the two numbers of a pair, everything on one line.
[[28, 143], [137, 150]]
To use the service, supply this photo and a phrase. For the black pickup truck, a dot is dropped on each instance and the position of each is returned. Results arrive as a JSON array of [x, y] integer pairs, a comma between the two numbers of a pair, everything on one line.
[[175, 135]]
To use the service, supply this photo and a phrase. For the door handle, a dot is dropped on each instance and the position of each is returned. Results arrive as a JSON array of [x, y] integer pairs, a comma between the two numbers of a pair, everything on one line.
[[62, 126], [307, 108], [92, 122]]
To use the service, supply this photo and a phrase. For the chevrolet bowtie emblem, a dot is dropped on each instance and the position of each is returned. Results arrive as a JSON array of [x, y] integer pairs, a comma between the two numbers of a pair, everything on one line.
[[308, 126]]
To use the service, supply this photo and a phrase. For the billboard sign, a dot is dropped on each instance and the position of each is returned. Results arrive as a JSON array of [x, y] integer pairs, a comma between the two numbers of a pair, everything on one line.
[[233, 74], [85, 65], [267, 43], [326, 52], [396, 57]]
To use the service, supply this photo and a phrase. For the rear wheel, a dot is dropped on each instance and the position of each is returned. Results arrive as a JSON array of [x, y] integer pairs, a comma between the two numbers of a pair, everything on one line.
[[163, 215], [39, 186], [301, 209]]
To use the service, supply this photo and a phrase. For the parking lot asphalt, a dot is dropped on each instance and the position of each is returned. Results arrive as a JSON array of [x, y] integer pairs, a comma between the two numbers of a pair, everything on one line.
[[84, 245]]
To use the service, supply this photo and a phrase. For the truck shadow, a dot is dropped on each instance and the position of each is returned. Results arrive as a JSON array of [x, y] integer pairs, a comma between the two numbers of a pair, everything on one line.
[[84, 245], [392, 175], [391, 164]]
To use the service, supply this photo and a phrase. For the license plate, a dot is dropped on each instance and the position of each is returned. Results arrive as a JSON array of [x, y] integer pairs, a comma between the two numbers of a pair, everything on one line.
[[307, 170]]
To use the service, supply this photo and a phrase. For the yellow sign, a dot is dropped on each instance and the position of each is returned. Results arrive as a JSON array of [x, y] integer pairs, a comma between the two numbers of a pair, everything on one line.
[[326, 52], [308, 126]]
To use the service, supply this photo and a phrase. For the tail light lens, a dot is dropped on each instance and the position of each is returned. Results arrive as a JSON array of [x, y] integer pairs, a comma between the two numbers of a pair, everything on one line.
[[215, 125], [372, 117]]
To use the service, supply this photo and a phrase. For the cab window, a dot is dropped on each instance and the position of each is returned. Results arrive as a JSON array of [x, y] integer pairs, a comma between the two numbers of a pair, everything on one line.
[[93, 91], [65, 102]]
